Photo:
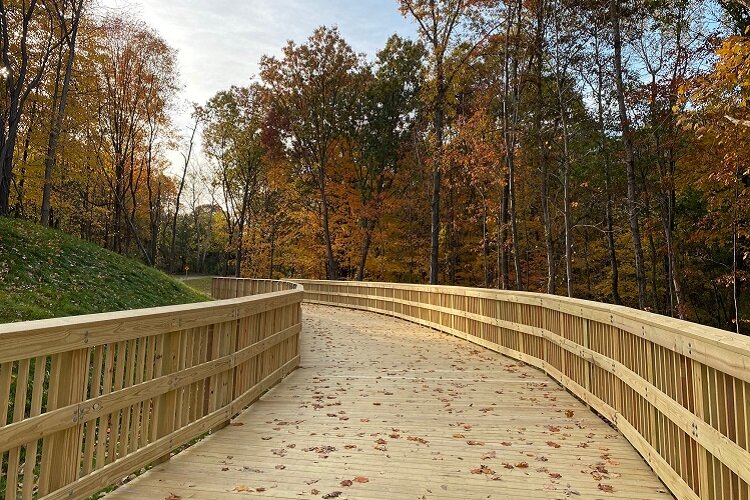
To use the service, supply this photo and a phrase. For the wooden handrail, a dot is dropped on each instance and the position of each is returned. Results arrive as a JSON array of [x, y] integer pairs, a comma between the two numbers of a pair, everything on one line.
[[678, 391], [94, 398]]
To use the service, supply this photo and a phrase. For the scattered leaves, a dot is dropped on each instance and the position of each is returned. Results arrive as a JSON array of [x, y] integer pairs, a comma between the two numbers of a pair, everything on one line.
[[482, 469]]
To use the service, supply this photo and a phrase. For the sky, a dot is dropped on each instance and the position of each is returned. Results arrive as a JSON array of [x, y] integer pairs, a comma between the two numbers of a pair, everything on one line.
[[220, 42]]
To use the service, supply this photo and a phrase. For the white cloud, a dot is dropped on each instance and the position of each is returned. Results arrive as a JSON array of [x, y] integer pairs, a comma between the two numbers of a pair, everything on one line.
[[220, 42]]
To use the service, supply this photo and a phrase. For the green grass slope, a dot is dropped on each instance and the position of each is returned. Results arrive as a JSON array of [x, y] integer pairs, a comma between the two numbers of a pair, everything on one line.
[[46, 273]]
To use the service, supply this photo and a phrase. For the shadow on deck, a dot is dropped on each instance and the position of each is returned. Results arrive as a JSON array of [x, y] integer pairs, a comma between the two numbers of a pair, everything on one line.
[[383, 408]]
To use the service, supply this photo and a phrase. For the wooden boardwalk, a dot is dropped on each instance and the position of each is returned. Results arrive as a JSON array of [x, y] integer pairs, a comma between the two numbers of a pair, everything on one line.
[[381, 408]]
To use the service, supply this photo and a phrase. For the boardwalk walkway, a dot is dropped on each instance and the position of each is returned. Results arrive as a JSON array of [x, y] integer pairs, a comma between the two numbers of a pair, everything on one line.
[[381, 409]]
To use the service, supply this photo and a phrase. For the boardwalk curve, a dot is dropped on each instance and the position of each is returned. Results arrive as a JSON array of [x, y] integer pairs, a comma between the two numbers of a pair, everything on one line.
[[383, 408]]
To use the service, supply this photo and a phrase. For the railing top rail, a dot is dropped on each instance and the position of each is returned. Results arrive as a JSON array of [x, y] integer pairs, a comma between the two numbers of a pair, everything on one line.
[[28, 339], [641, 322]]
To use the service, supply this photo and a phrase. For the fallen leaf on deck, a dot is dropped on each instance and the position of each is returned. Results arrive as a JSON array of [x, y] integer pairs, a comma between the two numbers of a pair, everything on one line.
[[482, 469]]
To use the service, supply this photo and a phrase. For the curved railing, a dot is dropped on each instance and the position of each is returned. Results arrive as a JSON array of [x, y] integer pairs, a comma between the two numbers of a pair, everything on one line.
[[92, 399], [229, 288], [678, 391]]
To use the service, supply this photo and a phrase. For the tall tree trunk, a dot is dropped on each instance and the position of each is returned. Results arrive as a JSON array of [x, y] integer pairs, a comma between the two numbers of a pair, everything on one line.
[[565, 171], [735, 260], [635, 230], [21, 185], [58, 115], [502, 250], [437, 174], [510, 122], [606, 159], [369, 227], [19, 81], [180, 188], [485, 245], [541, 156], [241, 224], [332, 268], [272, 249]]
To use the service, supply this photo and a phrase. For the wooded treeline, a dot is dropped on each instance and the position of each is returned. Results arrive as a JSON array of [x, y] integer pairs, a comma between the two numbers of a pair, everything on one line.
[[593, 148]]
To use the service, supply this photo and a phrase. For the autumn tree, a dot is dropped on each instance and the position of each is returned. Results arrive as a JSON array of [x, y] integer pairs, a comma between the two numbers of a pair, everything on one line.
[[441, 26], [137, 76], [232, 135], [314, 88], [715, 108], [381, 128], [69, 15], [28, 39]]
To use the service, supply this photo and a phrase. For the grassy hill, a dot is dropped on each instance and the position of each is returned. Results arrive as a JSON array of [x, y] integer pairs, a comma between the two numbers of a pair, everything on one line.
[[45, 273]]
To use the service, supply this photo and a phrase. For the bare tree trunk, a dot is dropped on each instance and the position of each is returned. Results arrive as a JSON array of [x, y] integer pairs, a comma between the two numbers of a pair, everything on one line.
[[332, 267], [565, 172], [614, 12], [21, 80], [186, 165], [272, 249], [502, 237], [369, 227], [510, 121], [735, 251], [437, 175], [604, 151], [541, 150], [485, 244], [59, 113]]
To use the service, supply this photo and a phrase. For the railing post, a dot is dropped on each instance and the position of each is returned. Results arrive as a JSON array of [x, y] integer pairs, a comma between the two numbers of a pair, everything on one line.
[[587, 364], [61, 452], [165, 407], [699, 406]]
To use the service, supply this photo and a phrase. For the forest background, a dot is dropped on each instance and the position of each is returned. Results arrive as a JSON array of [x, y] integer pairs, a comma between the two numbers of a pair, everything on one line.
[[593, 148]]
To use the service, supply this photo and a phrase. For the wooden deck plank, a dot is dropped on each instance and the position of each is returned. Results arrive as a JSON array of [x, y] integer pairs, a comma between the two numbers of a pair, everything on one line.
[[419, 414]]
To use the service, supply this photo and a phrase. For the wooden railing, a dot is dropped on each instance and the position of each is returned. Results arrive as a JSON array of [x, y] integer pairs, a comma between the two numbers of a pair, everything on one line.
[[229, 288], [94, 398], [678, 391]]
